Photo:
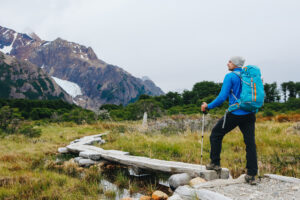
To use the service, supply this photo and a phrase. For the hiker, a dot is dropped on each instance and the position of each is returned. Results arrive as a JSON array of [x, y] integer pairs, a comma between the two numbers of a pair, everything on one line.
[[245, 120]]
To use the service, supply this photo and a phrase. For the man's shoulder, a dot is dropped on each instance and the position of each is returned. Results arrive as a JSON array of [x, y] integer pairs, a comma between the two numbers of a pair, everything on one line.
[[230, 75]]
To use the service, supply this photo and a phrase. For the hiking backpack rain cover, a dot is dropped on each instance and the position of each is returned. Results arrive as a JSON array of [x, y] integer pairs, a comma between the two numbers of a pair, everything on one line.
[[252, 94]]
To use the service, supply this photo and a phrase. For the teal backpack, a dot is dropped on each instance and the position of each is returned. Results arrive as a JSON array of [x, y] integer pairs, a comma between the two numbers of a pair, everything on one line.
[[252, 94]]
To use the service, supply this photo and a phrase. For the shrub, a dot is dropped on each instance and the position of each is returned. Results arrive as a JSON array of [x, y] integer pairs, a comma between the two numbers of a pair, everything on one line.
[[268, 113], [30, 131]]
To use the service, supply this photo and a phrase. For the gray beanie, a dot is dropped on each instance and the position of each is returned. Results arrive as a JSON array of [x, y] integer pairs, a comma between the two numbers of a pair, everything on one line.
[[237, 61]]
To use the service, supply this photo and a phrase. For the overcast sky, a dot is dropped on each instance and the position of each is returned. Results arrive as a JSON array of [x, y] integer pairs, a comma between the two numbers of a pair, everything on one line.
[[175, 42]]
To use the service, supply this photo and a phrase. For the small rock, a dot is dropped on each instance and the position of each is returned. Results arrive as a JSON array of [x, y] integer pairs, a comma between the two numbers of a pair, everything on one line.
[[76, 160], [177, 180], [196, 181], [63, 150], [159, 195], [145, 198], [127, 198]]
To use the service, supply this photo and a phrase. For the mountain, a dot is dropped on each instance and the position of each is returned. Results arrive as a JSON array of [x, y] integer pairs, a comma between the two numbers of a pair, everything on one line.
[[99, 82], [22, 79]]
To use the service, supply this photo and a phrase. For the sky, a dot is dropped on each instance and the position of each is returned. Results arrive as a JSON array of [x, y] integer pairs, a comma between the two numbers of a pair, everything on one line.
[[174, 42]]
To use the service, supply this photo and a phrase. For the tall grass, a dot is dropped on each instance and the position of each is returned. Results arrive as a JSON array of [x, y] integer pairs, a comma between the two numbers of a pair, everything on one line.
[[278, 152], [28, 169]]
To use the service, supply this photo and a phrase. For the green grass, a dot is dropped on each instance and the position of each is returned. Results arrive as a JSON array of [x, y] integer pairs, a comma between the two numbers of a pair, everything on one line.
[[278, 152], [28, 169]]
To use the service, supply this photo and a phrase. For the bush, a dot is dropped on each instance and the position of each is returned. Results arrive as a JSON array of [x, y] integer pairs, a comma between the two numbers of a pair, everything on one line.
[[268, 113], [29, 131]]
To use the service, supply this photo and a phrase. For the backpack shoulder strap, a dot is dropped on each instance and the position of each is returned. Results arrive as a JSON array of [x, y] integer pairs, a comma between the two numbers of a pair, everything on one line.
[[237, 73]]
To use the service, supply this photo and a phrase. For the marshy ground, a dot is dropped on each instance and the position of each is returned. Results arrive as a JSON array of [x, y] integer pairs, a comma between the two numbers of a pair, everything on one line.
[[32, 169]]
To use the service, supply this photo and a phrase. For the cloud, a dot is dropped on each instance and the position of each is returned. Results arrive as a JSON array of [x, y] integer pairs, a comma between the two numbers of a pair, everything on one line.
[[175, 42]]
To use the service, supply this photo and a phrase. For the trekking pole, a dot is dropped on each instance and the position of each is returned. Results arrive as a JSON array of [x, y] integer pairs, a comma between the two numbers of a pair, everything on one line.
[[203, 120]]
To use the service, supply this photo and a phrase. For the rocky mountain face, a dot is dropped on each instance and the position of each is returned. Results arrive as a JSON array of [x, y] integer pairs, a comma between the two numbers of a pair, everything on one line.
[[22, 79], [100, 82]]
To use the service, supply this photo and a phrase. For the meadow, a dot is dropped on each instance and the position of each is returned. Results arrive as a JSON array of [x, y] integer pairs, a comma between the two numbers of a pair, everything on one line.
[[31, 168]]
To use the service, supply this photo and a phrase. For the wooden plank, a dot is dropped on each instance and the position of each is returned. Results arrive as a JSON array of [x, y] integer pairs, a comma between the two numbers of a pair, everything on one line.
[[149, 163]]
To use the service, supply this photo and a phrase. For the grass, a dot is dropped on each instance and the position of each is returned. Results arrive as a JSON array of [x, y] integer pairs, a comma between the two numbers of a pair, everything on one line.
[[28, 169], [278, 152]]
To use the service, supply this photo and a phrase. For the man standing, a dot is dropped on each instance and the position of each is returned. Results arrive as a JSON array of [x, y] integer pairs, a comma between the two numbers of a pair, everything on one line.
[[243, 119]]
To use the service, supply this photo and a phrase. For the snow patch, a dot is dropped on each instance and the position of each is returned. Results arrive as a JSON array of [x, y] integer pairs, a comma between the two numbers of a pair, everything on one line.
[[46, 43], [7, 49], [71, 88]]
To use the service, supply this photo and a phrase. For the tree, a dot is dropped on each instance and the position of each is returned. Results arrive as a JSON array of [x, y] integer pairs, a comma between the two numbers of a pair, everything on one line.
[[291, 87], [271, 92], [171, 99], [284, 90], [206, 88], [9, 119], [298, 89], [188, 97]]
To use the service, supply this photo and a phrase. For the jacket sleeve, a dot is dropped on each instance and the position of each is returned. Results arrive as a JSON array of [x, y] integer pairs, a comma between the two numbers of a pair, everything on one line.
[[224, 93]]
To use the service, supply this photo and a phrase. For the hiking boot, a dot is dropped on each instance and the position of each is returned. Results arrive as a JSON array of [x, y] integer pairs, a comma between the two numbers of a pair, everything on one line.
[[213, 166], [250, 179]]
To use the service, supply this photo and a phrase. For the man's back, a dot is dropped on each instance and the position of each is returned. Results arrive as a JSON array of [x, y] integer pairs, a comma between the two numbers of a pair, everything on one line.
[[231, 83]]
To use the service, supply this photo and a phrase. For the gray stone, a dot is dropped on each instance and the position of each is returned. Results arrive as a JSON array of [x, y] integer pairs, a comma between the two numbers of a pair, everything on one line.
[[220, 182], [204, 194], [177, 180], [186, 192], [175, 197], [76, 159], [63, 150], [283, 178], [86, 162]]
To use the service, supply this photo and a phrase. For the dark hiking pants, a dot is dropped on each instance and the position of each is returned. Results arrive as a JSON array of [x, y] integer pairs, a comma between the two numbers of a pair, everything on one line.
[[246, 124]]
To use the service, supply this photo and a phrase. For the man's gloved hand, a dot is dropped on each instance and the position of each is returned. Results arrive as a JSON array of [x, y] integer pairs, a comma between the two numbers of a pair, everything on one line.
[[204, 108]]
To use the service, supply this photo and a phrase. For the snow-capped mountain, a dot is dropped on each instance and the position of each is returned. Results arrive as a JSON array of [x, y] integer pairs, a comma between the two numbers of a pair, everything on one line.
[[22, 79], [99, 82]]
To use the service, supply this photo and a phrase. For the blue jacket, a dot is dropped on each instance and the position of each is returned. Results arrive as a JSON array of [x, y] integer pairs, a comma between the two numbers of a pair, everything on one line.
[[231, 81]]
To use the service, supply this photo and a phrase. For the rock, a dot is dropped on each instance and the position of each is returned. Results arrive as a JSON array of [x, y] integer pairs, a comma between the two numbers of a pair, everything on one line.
[[283, 178], [159, 195], [186, 192], [127, 198], [294, 129], [145, 198], [86, 162], [175, 197], [196, 181], [63, 150], [76, 159], [177, 180], [204, 194]]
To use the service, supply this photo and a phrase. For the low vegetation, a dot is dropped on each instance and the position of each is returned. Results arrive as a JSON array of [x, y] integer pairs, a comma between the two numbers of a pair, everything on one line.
[[30, 169]]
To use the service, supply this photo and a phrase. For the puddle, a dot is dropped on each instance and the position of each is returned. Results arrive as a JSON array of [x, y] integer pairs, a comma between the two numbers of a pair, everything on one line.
[[125, 182], [121, 181]]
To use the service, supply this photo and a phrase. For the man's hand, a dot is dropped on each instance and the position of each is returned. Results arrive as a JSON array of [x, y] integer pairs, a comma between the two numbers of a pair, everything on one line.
[[204, 107]]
